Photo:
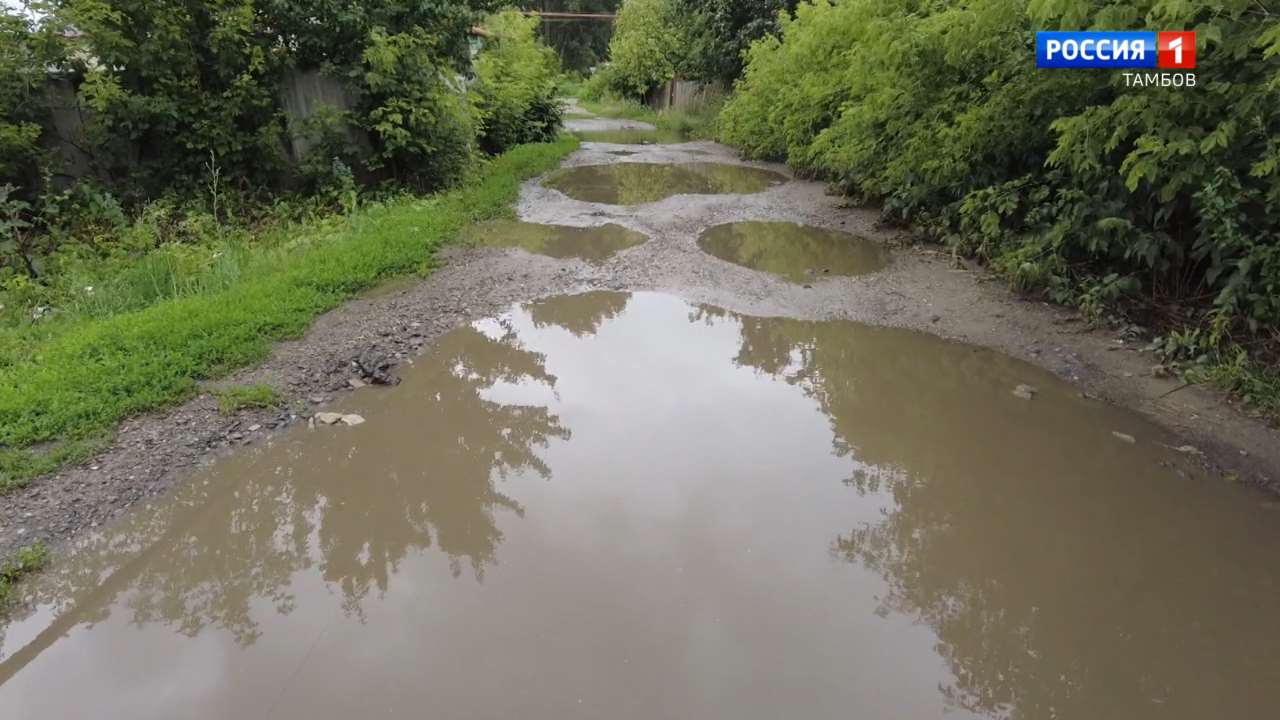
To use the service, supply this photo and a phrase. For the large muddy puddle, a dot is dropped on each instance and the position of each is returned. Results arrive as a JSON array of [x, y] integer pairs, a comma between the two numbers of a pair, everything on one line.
[[558, 516], [796, 252], [593, 244], [633, 183]]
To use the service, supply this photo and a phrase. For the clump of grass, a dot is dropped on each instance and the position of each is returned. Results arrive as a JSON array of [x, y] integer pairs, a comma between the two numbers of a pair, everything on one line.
[[79, 381], [238, 398], [25, 561], [1235, 372], [20, 467]]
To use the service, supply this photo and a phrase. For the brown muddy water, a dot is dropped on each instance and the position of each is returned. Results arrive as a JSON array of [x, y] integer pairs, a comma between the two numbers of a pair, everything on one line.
[[633, 183], [798, 253], [593, 244], [555, 516]]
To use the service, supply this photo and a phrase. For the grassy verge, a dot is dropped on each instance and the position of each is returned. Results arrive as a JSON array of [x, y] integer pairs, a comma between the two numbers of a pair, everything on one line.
[[76, 383], [696, 123], [25, 561]]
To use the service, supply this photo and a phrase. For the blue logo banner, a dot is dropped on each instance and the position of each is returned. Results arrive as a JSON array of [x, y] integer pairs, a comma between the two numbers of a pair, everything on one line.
[[1096, 49]]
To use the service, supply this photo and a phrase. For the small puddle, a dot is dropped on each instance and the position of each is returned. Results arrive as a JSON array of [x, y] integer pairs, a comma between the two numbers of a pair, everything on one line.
[[593, 244], [630, 506], [796, 252], [631, 183], [632, 136]]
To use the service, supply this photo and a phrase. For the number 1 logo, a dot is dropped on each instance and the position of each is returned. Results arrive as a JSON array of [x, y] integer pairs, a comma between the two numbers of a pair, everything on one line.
[[1177, 50]]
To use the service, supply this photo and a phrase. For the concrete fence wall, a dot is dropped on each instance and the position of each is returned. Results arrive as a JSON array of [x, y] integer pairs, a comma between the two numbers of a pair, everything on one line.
[[306, 93], [63, 133], [681, 94], [303, 94]]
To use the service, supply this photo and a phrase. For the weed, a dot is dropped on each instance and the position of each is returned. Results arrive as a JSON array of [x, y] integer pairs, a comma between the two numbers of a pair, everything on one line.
[[25, 561], [238, 398]]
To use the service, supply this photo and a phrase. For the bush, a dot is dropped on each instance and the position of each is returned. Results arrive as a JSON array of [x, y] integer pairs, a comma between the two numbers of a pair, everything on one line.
[[717, 33], [24, 55], [644, 51], [514, 92], [1067, 181], [423, 126]]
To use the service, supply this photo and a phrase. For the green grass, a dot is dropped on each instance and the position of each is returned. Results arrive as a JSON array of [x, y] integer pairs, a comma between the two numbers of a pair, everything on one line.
[[78, 382], [25, 561], [238, 398], [1235, 372], [695, 123]]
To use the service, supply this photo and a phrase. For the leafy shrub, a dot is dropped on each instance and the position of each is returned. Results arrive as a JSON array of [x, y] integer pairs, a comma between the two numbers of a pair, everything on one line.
[[514, 92], [643, 53], [717, 33], [423, 126], [1066, 181], [24, 57]]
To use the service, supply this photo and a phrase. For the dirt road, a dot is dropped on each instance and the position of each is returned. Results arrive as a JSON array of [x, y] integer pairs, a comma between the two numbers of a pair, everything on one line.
[[920, 288]]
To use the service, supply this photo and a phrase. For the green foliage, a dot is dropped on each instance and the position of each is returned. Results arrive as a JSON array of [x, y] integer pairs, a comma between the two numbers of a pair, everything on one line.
[[25, 561], [234, 399], [170, 82], [1066, 181], [717, 33], [75, 378], [644, 51], [422, 124], [24, 55], [581, 44], [514, 92]]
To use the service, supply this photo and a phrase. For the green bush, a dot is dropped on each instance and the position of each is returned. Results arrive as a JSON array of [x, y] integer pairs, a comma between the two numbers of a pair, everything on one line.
[[24, 56], [644, 51], [515, 91], [717, 33], [1067, 181], [423, 126]]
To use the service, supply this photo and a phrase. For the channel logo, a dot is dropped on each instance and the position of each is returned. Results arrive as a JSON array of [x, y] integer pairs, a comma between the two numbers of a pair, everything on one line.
[[1116, 49]]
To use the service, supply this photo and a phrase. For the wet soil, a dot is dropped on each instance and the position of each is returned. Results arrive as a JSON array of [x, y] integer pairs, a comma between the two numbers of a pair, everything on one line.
[[555, 516], [592, 244], [798, 253], [1205, 485]]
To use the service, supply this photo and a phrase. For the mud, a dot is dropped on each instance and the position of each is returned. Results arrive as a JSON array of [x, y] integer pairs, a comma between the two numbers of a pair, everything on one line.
[[796, 252], [593, 244], [555, 516], [920, 289], [637, 183]]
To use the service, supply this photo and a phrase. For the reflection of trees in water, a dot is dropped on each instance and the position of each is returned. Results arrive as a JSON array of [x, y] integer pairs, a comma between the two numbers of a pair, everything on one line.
[[581, 315], [633, 183], [792, 251], [1063, 576], [438, 484], [426, 476], [595, 244]]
